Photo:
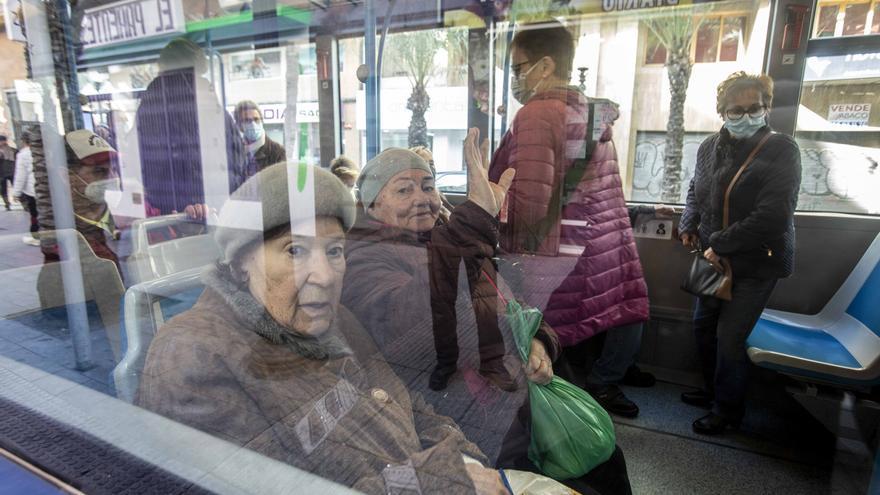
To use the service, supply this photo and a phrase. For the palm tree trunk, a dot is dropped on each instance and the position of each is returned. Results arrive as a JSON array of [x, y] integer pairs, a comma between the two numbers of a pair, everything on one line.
[[418, 102], [678, 67]]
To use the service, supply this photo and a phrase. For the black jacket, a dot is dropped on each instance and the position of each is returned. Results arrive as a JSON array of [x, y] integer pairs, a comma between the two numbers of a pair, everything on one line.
[[759, 240]]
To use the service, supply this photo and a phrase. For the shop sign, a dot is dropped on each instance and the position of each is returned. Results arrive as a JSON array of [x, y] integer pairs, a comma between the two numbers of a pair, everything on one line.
[[131, 20], [620, 5], [626, 5], [273, 113], [13, 13], [852, 114]]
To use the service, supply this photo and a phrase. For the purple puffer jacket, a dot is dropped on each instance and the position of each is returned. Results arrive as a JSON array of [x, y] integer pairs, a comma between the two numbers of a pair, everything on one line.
[[587, 268]]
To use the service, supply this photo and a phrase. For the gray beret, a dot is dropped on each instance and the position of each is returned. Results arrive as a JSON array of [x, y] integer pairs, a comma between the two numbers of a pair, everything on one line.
[[378, 171], [262, 203]]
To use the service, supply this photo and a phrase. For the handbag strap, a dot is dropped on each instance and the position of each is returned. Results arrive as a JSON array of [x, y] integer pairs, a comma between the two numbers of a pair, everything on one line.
[[742, 168]]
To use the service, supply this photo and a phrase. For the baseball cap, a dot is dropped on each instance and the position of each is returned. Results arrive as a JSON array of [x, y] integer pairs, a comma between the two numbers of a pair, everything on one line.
[[88, 147]]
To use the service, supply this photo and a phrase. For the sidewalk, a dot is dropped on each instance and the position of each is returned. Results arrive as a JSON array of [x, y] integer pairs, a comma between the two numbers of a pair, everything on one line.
[[31, 335]]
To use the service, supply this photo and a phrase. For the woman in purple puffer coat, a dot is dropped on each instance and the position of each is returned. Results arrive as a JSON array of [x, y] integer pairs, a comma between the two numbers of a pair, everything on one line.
[[573, 245]]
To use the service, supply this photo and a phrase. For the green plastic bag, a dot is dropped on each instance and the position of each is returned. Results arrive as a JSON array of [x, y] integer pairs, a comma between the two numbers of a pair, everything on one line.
[[571, 432]]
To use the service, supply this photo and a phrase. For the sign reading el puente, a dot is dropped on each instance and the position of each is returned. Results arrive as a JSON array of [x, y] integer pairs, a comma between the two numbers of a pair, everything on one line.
[[131, 20]]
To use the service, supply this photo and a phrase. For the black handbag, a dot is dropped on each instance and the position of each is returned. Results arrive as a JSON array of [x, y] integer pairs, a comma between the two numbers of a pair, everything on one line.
[[706, 279]]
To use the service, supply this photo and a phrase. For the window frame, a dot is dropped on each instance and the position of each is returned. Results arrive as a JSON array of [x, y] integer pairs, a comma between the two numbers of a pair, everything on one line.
[[840, 18], [723, 19]]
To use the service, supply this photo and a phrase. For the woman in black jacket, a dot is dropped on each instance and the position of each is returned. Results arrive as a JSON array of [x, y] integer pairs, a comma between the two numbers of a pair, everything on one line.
[[757, 239]]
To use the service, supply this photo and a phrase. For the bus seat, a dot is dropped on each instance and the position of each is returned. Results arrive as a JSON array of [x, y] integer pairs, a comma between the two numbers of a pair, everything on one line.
[[146, 307], [840, 344], [151, 261], [102, 284]]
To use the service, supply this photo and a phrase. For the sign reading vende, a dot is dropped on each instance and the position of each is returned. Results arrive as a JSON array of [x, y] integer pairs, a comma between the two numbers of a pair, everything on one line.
[[855, 114], [131, 20]]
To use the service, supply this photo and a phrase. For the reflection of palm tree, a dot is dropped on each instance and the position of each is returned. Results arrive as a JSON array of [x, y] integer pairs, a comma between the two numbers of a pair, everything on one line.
[[676, 33], [415, 52]]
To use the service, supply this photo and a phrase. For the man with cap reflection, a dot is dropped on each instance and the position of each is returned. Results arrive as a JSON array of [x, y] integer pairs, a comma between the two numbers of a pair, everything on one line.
[[91, 174]]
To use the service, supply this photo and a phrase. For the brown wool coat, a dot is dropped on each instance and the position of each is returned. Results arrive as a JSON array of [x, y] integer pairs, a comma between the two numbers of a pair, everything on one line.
[[345, 417]]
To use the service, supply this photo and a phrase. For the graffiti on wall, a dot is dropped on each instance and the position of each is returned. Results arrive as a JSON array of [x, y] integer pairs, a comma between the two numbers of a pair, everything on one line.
[[836, 177]]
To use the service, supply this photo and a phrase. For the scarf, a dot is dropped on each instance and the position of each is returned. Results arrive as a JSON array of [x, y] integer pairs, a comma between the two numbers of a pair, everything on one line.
[[330, 345], [252, 148]]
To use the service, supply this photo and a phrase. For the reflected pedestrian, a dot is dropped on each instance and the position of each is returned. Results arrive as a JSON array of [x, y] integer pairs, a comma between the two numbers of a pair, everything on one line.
[[7, 169], [261, 150], [23, 187]]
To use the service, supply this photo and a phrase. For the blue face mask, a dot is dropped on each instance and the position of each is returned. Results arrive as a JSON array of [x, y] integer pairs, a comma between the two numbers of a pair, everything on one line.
[[745, 127], [253, 131]]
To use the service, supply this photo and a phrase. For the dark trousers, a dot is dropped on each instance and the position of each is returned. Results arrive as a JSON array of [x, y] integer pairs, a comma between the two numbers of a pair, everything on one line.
[[484, 297], [608, 478], [4, 189], [30, 204], [721, 329]]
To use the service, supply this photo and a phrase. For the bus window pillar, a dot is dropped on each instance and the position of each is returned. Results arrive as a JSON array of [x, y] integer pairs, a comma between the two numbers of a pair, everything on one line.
[[52, 135], [329, 129], [371, 80], [785, 58], [479, 80]]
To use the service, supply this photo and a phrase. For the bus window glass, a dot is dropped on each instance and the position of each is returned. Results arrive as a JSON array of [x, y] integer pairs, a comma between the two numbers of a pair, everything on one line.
[[222, 272], [731, 39], [837, 130], [854, 18], [655, 52], [827, 21], [707, 41], [875, 22]]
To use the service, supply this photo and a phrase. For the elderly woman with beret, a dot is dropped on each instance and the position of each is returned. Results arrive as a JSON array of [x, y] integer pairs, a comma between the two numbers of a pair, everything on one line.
[[268, 358]]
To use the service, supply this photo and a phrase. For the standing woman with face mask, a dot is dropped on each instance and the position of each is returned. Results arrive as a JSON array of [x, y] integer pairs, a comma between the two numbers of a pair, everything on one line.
[[565, 223], [755, 234]]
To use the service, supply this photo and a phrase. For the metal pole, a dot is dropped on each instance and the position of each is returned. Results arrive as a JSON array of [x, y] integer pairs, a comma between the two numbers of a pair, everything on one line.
[[372, 84], [506, 82], [40, 49]]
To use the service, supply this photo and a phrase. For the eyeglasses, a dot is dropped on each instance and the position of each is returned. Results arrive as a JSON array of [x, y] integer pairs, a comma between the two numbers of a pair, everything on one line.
[[754, 111], [516, 69]]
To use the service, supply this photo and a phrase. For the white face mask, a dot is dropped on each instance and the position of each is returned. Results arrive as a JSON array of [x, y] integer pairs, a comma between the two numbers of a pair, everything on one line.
[[96, 191]]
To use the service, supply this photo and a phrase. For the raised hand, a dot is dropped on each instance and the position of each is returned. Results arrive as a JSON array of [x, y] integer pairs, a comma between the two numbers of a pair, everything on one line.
[[487, 195]]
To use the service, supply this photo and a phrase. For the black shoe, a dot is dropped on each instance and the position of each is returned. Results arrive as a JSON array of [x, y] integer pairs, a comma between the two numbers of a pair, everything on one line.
[[612, 399], [440, 378], [713, 424], [635, 377], [500, 377], [699, 398]]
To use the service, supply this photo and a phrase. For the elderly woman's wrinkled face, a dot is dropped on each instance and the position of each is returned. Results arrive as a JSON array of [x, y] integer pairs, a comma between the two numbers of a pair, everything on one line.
[[299, 279], [409, 201]]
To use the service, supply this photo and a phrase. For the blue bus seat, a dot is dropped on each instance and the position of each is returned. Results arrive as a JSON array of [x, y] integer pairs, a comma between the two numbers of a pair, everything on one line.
[[147, 306], [838, 345]]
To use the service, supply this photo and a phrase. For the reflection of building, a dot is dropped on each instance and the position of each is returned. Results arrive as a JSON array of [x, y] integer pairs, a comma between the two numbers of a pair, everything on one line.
[[12, 68], [839, 112]]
